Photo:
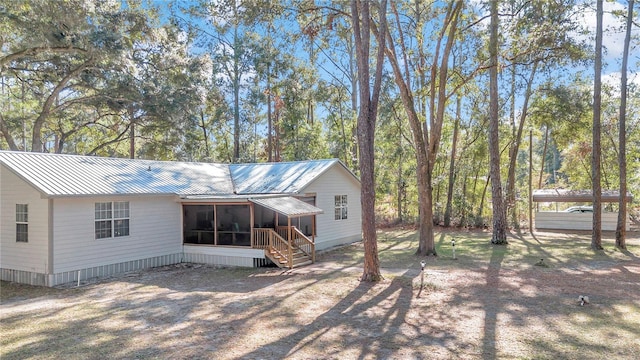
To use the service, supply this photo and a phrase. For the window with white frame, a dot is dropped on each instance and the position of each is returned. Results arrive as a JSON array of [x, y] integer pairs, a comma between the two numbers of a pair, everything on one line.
[[111, 219], [340, 207], [22, 223]]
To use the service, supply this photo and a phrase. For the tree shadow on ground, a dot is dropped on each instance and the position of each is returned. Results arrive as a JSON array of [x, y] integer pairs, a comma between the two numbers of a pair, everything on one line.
[[492, 303], [363, 324], [545, 301]]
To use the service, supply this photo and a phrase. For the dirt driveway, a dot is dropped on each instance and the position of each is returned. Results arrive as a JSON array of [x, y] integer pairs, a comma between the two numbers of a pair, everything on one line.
[[490, 303]]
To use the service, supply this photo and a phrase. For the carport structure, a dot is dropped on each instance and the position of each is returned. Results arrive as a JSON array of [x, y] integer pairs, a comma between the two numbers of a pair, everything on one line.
[[560, 220]]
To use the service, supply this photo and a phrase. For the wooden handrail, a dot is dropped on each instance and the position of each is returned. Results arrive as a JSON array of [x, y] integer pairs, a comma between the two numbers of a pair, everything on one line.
[[276, 240], [302, 242], [270, 239], [283, 231], [261, 238]]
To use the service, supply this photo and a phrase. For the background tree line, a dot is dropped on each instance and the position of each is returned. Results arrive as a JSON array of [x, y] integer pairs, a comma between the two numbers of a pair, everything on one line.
[[267, 80]]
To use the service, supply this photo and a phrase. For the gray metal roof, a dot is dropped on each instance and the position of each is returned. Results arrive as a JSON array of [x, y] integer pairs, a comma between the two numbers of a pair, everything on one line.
[[565, 195], [288, 206], [72, 175], [277, 178]]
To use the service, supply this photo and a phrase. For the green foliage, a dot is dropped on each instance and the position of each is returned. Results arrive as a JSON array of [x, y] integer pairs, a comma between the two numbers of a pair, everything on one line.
[[78, 75]]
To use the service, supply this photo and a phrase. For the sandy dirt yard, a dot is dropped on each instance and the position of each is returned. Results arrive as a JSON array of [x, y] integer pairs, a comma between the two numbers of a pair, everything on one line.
[[491, 302]]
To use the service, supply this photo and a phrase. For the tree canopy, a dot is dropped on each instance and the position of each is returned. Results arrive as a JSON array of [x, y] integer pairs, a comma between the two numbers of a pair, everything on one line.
[[236, 81]]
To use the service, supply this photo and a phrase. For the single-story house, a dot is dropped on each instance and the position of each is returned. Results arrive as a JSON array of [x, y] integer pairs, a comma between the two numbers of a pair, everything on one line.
[[575, 217], [67, 217]]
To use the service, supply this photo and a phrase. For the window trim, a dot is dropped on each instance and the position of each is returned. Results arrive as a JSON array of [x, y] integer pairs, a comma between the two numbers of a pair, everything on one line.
[[115, 214], [22, 221], [341, 207]]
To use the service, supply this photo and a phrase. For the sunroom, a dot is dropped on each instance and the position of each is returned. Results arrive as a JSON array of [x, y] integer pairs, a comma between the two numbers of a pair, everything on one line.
[[282, 228]]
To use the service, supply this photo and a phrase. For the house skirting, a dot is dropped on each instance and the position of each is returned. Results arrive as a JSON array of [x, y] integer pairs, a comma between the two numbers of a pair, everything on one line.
[[210, 255], [23, 277], [40, 279]]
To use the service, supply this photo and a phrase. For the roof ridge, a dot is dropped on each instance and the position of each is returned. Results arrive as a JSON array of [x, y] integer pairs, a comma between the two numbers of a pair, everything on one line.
[[285, 162]]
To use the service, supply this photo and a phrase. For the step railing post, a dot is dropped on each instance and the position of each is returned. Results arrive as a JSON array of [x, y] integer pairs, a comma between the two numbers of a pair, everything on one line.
[[290, 257]]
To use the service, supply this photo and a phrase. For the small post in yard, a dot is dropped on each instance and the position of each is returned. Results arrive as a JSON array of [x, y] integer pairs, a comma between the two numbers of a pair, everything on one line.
[[453, 248], [423, 263]]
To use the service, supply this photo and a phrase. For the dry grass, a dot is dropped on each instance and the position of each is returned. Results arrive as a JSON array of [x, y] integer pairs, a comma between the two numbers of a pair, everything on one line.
[[492, 302]]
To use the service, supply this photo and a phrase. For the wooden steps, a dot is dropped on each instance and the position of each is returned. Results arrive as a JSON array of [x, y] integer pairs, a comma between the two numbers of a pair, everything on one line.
[[299, 258]]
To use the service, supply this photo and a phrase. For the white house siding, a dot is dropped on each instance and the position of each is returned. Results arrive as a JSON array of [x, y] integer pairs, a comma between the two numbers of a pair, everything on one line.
[[332, 232], [155, 235], [18, 260], [574, 221]]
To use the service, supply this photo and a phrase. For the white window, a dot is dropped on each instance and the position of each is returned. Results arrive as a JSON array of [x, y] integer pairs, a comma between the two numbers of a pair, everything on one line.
[[22, 223], [340, 207], [112, 219]]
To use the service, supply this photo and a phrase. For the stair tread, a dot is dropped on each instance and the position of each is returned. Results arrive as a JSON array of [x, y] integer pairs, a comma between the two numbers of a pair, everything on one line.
[[298, 257]]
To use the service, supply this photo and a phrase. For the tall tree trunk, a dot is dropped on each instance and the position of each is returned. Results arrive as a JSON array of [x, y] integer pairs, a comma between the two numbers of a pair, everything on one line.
[[236, 94], [596, 235], [132, 141], [276, 133], [352, 154], [402, 185], [269, 118], [435, 136], [621, 229], [499, 214], [426, 137], [132, 134], [530, 203], [544, 155], [482, 197], [236, 119], [205, 135], [361, 22], [426, 244], [515, 147], [454, 143], [463, 215], [419, 133], [344, 139], [400, 194]]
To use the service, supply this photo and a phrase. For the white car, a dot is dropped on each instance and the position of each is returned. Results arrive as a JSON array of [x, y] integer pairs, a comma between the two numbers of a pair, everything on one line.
[[579, 209]]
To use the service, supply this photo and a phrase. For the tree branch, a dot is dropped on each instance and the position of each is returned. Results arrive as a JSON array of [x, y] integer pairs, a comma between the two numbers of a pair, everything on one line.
[[4, 129], [36, 141], [31, 52]]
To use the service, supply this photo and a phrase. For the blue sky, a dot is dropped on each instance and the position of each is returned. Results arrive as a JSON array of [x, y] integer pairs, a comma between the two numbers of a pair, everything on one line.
[[613, 40]]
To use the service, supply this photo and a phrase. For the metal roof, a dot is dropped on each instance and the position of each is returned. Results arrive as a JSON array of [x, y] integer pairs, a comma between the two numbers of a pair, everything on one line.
[[288, 206], [73, 175], [564, 195], [277, 178]]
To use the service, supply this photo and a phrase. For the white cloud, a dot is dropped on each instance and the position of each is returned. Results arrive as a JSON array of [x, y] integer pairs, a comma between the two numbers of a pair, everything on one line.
[[613, 34], [613, 79]]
